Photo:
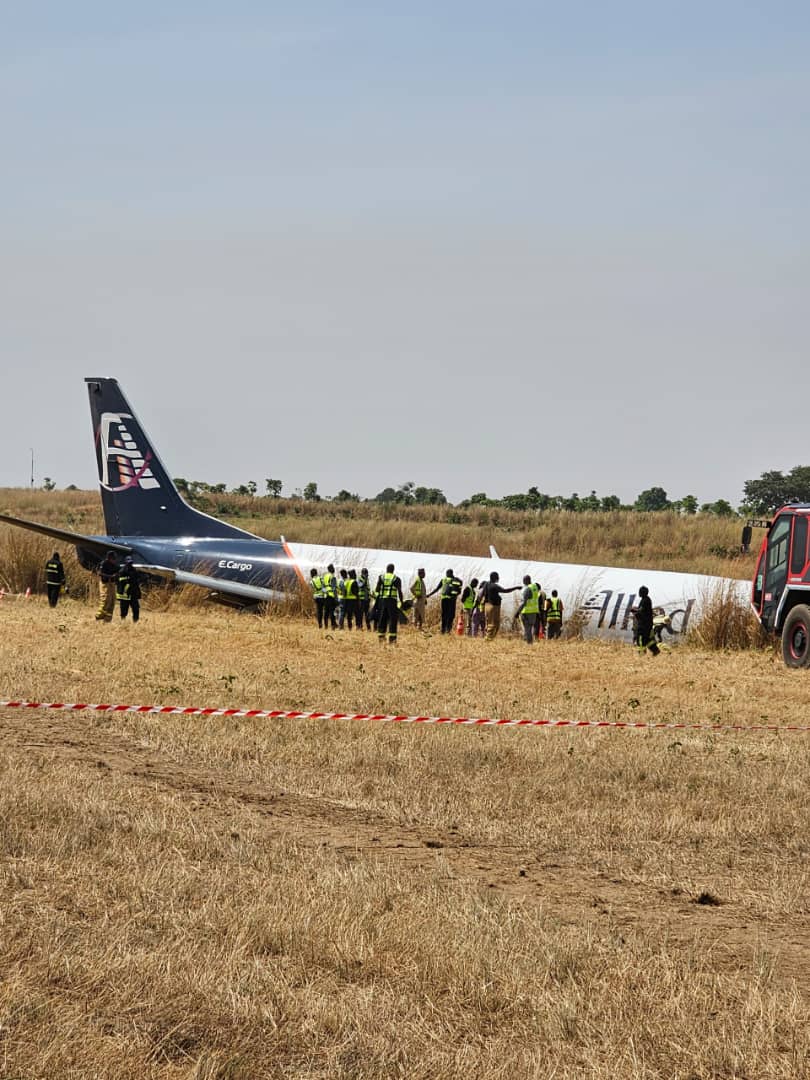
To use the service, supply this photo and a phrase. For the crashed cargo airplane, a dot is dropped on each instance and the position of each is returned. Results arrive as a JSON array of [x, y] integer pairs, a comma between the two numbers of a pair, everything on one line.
[[145, 517]]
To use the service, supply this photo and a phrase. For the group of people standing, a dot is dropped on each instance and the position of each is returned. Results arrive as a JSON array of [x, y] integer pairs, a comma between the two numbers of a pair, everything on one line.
[[342, 599], [116, 582], [345, 599], [481, 606]]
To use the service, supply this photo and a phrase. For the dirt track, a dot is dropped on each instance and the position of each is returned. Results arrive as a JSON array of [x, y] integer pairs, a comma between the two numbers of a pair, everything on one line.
[[573, 893]]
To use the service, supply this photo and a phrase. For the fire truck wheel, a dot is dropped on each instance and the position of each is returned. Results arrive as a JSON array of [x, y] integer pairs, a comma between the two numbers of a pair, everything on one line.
[[796, 637]]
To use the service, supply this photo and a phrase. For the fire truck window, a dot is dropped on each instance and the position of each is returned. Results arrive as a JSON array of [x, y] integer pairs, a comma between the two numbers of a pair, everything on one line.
[[778, 546], [798, 555]]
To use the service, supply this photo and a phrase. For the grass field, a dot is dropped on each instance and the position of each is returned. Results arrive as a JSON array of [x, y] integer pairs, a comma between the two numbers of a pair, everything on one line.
[[249, 898]]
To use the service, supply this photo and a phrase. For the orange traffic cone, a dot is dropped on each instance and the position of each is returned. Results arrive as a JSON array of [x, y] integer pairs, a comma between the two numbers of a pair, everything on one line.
[[541, 633], [460, 625]]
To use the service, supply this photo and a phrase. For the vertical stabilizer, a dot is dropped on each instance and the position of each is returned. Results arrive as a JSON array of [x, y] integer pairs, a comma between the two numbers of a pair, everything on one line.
[[138, 496]]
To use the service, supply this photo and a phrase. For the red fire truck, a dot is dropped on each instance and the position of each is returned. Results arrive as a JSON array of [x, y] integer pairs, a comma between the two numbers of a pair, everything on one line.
[[781, 591]]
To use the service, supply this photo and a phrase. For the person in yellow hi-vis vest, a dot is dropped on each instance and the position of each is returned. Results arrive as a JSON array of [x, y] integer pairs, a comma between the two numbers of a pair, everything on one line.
[[419, 594], [330, 592], [389, 593], [529, 609], [468, 601], [554, 615], [318, 595]]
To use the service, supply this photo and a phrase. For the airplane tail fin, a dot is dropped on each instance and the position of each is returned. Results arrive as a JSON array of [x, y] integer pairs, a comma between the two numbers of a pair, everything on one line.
[[138, 495]]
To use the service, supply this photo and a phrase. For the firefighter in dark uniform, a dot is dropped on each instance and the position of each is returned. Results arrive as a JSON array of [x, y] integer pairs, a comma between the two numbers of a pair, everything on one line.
[[54, 578], [128, 590], [389, 595]]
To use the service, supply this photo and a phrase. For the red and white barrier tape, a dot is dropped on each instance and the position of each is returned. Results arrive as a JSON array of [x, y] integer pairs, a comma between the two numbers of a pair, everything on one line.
[[465, 721]]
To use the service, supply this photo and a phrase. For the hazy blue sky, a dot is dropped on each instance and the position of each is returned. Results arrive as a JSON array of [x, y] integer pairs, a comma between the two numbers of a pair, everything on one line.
[[478, 246]]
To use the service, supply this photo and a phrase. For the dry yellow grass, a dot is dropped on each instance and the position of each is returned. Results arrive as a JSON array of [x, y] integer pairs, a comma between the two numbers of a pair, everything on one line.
[[243, 898]]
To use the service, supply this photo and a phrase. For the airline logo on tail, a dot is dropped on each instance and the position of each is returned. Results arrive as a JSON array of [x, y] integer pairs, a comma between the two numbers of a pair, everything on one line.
[[117, 446]]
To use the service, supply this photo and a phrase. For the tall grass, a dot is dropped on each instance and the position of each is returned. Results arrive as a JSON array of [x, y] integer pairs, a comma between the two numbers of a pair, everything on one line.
[[726, 622], [664, 541]]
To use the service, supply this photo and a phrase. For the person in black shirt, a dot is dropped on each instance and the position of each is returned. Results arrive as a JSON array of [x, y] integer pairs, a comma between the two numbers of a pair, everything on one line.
[[643, 612], [107, 574], [491, 593]]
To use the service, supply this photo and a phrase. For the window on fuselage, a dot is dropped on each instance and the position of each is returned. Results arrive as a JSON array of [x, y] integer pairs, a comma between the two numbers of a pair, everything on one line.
[[798, 554], [778, 547]]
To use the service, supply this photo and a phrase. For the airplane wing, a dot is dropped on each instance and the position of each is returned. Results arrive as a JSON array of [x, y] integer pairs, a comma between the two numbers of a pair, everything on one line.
[[98, 545], [236, 589]]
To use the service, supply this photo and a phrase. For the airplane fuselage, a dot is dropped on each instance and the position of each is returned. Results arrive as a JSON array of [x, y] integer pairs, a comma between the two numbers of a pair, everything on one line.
[[264, 570]]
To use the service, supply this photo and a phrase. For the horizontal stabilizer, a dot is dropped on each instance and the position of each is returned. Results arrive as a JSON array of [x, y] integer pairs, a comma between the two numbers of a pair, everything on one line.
[[98, 545]]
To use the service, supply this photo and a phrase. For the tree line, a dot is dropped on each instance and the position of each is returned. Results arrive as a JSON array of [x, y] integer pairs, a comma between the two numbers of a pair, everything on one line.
[[762, 496], [410, 494]]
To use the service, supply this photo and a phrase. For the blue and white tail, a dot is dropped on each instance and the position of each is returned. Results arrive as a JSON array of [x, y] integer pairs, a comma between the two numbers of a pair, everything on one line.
[[138, 496]]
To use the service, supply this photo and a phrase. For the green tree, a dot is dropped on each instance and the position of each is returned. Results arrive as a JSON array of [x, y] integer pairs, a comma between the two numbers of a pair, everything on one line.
[[610, 502], [654, 498], [273, 488], [517, 502], [387, 495], [721, 508], [48, 484], [311, 492], [689, 504], [774, 489], [346, 496], [538, 500], [425, 496]]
